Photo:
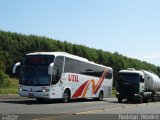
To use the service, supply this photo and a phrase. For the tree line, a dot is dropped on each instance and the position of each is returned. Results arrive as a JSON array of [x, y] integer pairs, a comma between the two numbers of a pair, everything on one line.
[[14, 46]]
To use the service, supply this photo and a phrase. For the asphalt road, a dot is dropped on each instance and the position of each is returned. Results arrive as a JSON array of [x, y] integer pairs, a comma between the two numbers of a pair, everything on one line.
[[76, 110]]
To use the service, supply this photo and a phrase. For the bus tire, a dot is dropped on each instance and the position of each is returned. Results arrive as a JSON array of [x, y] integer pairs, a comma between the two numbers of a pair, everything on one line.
[[101, 96], [66, 96]]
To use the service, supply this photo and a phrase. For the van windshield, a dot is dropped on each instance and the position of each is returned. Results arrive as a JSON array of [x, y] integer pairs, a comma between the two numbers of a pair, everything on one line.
[[129, 77]]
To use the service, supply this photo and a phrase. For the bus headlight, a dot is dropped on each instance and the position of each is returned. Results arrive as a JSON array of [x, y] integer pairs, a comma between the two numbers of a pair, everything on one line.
[[45, 90], [117, 93], [20, 89]]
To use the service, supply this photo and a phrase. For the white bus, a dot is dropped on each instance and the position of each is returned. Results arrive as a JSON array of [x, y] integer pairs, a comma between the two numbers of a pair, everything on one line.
[[59, 75]]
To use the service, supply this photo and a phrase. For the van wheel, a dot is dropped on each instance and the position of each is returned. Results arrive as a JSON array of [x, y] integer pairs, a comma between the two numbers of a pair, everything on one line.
[[120, 100], [148, 100], [140, 101], [66, 96]]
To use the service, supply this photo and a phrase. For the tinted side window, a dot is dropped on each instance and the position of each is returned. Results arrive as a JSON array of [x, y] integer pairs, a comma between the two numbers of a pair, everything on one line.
[[79, 67], [69, 65], [109, 75]]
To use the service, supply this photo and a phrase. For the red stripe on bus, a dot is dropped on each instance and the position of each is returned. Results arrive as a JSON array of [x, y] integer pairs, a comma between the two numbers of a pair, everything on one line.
[[80, 90]]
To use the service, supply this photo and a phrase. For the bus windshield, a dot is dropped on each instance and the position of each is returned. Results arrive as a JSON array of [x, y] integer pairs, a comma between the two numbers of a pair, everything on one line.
[[129, 77], [34, 70]]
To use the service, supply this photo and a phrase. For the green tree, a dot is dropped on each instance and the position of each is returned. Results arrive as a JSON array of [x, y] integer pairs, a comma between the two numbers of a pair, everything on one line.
[[4, 80], [2, 66], [14, 46]]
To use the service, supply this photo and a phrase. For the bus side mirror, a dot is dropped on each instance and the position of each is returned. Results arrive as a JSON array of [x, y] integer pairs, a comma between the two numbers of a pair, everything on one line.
[[142, 80], [15, 70], [50, 68]]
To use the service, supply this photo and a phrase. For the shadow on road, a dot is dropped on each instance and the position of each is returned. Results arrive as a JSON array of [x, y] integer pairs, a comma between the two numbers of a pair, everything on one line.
[[46, 101], [116, 101]]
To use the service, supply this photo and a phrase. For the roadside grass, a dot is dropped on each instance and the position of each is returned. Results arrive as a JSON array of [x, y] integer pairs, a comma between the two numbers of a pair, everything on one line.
[[10, 90]]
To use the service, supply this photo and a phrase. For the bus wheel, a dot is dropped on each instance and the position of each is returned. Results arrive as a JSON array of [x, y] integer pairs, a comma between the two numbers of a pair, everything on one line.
[[66, 96], [101, 96]]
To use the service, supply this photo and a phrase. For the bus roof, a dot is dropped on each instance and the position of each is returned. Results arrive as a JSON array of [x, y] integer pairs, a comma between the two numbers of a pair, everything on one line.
[[60, 54], [67, 55]]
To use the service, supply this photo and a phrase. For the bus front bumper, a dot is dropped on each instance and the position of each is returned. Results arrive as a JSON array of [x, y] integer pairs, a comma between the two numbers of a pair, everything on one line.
[[34, 94], [133, 96]]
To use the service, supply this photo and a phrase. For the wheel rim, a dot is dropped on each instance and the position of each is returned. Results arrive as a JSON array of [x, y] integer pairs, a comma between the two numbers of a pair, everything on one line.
[[101, 96], [65, 97]]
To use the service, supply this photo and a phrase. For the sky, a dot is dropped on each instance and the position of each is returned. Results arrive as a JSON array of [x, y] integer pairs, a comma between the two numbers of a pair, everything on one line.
[[129, 27]]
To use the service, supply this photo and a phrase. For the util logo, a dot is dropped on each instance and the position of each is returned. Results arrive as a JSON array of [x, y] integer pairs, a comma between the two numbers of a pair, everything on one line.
[[73, 78]]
